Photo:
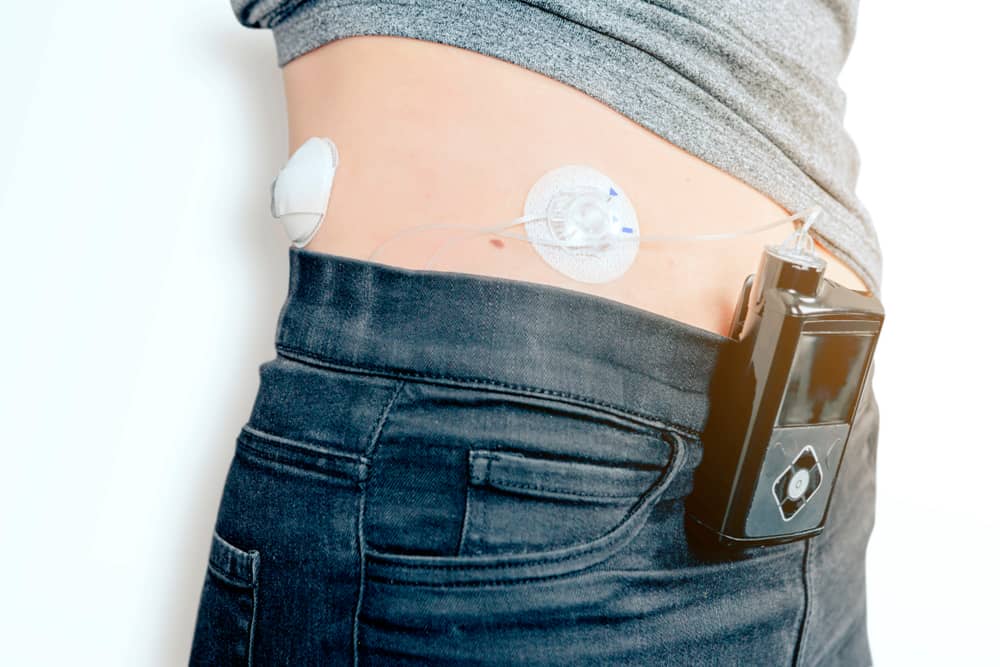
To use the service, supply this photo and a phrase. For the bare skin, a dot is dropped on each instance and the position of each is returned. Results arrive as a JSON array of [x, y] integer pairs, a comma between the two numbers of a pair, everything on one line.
[[431, 133]]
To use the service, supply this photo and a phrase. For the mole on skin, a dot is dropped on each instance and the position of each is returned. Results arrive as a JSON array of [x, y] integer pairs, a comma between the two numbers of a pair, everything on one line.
[[496, 243]]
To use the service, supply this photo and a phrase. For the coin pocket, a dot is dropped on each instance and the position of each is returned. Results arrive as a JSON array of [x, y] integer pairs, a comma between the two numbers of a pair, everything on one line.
[[518, 502]]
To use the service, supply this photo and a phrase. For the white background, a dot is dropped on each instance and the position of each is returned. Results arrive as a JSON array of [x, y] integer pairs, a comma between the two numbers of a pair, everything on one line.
[[141, 278]]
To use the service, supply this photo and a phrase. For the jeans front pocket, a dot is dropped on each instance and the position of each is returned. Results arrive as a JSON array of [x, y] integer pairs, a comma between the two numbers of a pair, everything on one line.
[[517, 551], [518, 502], [227, 611]]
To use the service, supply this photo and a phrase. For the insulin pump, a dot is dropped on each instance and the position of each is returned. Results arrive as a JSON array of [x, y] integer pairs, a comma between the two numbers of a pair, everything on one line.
[[784, 398]]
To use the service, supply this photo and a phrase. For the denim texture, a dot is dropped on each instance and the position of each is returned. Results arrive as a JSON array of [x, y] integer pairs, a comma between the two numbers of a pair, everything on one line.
[[443, 468]]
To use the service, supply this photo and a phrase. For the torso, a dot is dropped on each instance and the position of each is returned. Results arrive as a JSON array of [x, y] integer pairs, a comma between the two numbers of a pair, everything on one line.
[[431, 133]]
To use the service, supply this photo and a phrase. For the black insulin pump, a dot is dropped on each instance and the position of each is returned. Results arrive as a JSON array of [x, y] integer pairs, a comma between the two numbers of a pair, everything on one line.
[[783, 399]]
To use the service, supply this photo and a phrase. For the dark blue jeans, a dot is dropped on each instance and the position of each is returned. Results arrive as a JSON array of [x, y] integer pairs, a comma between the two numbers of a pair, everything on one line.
[[447, 468]]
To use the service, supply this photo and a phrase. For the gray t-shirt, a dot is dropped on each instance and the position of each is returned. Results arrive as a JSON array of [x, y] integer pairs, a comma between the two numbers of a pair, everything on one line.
[[749, 86]]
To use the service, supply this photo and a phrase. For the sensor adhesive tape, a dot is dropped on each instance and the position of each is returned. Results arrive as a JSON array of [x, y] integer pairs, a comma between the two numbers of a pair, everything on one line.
[[301, 191], [585, 217]]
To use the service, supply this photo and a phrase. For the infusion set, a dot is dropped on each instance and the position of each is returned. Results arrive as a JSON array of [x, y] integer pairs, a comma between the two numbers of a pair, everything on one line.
[[787, 384]]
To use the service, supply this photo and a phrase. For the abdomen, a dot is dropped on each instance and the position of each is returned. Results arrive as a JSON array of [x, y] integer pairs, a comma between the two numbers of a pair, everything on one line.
[[431, 133]]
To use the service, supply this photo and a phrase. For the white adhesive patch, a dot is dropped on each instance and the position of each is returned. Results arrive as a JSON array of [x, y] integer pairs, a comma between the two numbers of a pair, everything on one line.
[[301, 190], [588, 213]]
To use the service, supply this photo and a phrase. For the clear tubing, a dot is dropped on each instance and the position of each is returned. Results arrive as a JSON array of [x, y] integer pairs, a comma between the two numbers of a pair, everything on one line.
[[799, 237]]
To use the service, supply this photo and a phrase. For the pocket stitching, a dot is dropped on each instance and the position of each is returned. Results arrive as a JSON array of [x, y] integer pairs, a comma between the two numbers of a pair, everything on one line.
[[225, 578], [562, 561], [312, 359], [303, 456], [488, 475], [467, 521], [501, 483], [245, 559]]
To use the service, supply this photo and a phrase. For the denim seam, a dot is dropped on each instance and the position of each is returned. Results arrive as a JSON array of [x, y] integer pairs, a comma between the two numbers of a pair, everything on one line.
[[485, 583], [676, 463], [350, 467], [253, 622], [512, 456], [369, 453], [361, 576], [307, 447], [502, 483], [250, 452], [650, 427], [478, 519], [502, 566], [485, 526], [479, 584], [810, 570], [303, 355], [807, 558], [229, 580], [549, 577], [484, 516], [466, 521], [252, 585]]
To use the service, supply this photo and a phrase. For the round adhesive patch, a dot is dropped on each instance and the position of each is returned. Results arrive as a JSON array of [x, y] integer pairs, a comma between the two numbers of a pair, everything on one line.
[[590, 231]]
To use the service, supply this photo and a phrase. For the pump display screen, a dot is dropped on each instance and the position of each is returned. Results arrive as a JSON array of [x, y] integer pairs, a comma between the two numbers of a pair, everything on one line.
[[825, 378]]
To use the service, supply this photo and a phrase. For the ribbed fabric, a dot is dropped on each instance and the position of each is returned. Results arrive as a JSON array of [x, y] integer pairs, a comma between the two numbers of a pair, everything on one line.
[[749, 86]]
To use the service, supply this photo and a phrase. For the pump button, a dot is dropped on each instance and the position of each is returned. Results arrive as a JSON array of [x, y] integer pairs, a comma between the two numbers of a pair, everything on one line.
[[798, 483]]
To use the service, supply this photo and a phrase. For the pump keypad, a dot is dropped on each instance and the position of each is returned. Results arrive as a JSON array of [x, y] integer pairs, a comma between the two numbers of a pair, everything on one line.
[[798, 483]]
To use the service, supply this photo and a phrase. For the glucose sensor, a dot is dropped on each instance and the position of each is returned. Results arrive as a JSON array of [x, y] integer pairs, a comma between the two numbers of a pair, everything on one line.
[[301, 190]]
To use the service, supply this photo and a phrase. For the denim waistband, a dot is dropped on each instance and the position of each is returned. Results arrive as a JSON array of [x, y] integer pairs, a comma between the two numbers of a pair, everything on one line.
[[499, 333]]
